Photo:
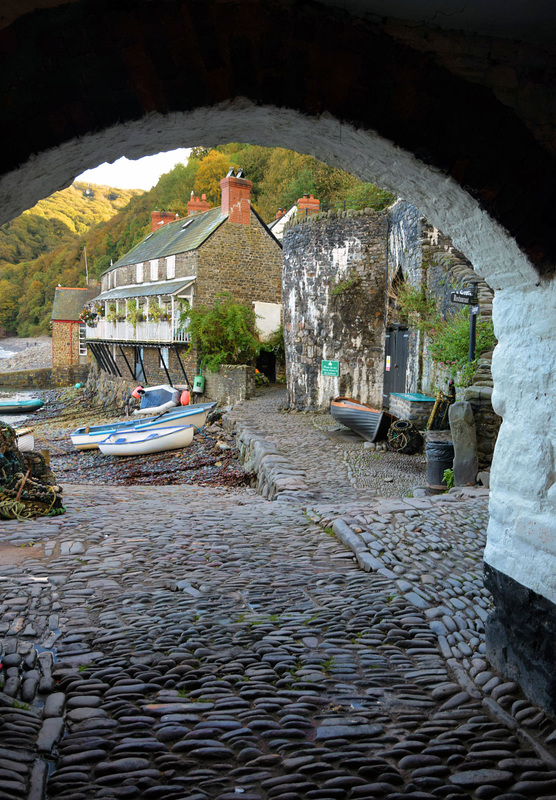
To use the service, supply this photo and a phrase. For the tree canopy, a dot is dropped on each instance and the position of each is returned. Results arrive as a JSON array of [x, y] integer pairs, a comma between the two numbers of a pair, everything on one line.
[[45, 246]]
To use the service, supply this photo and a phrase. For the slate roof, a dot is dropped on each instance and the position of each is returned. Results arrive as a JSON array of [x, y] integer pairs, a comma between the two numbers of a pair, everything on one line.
[[68, 302], [187, 233], [146, 289]]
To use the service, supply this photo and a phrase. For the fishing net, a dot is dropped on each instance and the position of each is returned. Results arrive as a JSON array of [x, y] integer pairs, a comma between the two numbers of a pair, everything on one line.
[[28, 486], [403, 437]]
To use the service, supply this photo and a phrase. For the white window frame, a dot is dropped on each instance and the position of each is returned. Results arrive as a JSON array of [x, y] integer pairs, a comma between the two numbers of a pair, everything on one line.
[[154, 269], [170, 267], [139, 273], [82, 339], [115, 274]]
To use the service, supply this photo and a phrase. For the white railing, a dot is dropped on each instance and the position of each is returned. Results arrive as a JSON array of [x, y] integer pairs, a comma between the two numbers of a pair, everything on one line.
[[159, 332]]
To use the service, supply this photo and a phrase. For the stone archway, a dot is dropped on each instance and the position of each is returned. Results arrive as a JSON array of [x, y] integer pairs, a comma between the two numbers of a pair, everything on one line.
[[385, 100]]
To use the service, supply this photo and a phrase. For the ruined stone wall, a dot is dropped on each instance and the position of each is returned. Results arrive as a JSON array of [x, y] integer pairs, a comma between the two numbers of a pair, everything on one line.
[[334, 283], [242, 259], [47, 378]]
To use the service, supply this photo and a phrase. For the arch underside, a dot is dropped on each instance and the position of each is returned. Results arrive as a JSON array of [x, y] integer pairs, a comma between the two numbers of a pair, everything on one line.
[[459, 125]]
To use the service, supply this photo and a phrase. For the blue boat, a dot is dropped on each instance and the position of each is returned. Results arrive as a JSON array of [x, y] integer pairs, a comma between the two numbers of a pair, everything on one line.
[[88, 437], [20, 406]]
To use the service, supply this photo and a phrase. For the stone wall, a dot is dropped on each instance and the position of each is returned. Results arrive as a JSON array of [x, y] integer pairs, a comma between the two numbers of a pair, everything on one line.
[[154, 370], [110, 392], [48, 378], [333, 286], [65, 343], [242, 259], [231, 384]]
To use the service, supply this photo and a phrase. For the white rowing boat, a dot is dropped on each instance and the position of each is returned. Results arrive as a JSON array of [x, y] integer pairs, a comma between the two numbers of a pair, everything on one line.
[[138, 442], [25, 439], [88, 437]]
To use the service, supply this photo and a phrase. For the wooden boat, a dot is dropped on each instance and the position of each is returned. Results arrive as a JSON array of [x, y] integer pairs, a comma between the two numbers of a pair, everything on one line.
[[20, 406], [88, 438], [157, 399], [25, 439], [141, 441], [368, 422]]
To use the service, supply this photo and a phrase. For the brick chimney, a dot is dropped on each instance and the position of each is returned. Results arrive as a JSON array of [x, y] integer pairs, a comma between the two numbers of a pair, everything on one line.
[[236, 199], [308, 205], [160, 218], [280, 213], [197, 206]]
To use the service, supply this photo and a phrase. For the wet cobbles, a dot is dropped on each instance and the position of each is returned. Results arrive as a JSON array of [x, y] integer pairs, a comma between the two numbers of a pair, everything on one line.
[[193, 642]]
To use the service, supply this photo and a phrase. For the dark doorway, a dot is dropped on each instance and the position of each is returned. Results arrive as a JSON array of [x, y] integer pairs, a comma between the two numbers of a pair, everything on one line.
[[395, 361], [266, 363]]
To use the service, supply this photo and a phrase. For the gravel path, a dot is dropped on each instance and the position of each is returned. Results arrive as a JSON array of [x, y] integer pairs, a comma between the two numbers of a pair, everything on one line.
[[195, 643]]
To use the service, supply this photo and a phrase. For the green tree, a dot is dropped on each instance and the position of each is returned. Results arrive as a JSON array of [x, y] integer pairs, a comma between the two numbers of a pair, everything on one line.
[[9, 296], [223, 334]]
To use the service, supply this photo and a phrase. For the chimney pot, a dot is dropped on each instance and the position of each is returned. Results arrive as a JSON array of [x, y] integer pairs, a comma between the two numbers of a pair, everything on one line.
[[197, 206], [308, 205], [160, 218], [236, 199]]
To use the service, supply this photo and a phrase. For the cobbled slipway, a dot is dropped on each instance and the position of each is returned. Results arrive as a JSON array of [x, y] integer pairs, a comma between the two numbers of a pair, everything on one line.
[[193, 642]]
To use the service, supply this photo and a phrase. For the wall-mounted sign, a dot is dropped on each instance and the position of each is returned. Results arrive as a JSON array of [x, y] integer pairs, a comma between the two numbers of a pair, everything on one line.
[[467, 297], [330, 368], [388, 363]]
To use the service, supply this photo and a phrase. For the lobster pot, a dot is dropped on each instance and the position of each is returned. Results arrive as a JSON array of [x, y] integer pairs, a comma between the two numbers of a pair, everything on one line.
[[440, 457]]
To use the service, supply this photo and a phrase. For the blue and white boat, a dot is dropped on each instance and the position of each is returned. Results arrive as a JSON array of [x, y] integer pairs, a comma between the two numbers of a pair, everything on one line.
[[143, 441], [88, 437]]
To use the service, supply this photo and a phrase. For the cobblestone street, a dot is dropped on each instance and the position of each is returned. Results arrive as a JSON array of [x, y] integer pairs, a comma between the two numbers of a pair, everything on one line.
[[195, 642]]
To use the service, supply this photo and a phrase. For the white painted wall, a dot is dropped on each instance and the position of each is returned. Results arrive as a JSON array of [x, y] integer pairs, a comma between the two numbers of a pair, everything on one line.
[[522, 535], [269, 318]]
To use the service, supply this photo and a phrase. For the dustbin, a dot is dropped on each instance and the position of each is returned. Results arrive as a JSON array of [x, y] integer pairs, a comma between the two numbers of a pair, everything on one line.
[[198, 384], [440, 457]]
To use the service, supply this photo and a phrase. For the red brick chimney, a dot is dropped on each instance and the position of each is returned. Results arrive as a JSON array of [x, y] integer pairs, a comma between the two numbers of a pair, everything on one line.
[[308, 205], [160, 218], [196, 206], [236, 199], [280, 213]]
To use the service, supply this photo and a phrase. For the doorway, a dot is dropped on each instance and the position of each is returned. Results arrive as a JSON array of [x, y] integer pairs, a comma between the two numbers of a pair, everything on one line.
[[396, 349]]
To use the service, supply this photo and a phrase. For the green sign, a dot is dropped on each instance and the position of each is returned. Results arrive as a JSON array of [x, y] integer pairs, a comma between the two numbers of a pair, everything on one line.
[[330, 368]]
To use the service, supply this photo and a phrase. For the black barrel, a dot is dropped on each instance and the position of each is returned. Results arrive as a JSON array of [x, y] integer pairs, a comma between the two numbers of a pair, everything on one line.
[[440, 456]]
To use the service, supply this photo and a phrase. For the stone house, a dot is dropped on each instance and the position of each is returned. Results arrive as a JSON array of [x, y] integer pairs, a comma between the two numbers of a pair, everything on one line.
[[140, 330], [343, 331], [68, 330]]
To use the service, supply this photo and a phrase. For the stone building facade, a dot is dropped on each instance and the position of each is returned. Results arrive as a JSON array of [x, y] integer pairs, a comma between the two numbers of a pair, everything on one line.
[[68, 331], [140, 330], [334, 285]]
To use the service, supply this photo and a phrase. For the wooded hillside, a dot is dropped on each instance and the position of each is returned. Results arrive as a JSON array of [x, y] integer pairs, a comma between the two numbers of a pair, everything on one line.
[[44, 248]]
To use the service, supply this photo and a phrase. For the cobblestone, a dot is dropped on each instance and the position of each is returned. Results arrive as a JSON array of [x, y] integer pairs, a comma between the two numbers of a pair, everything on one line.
[[196, 642]]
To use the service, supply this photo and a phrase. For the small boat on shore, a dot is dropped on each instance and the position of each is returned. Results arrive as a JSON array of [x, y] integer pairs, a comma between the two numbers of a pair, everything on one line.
[[157, 399], [368, 422], [141, 441], [88, 437], [20, 406]]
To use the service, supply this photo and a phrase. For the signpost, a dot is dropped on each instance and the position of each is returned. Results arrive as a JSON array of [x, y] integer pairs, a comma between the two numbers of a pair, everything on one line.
[[468, 297], [331, 369]]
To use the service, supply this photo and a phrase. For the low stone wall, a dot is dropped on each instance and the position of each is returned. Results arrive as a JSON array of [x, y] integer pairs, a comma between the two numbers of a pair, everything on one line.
[[231, 384], [276, 477], [109, 391], [48, 378], [415, 408]]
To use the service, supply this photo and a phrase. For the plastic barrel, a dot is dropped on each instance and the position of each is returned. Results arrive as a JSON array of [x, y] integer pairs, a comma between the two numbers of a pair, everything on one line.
[[440, 456], [198, 384]]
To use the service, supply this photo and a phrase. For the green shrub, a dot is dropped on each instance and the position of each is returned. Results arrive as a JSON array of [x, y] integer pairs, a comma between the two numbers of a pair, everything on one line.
[[224, 334], [449, 340], [275, 344]]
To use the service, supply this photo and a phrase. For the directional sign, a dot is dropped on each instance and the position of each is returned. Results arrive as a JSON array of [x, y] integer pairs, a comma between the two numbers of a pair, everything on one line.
[[468, 297], [330, 368]]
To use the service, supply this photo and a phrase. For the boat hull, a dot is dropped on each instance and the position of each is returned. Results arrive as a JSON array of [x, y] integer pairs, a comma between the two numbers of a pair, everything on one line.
[[368, 422], [19, 406], [25, 440], [141, 442], [88, 438]]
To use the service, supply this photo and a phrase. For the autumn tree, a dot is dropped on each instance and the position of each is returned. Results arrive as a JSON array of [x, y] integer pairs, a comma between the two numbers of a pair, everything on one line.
[[211, 171]]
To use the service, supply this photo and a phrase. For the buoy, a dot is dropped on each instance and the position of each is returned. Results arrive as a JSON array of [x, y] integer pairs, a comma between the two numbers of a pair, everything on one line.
[[136, 393], [184, 397], [78, 385]]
